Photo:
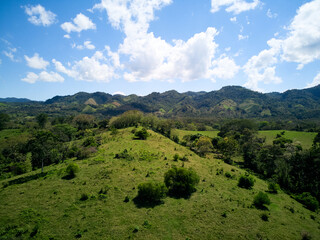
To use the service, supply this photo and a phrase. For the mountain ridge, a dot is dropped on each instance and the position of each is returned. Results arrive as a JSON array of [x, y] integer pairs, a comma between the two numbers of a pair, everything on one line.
[[227, 102]]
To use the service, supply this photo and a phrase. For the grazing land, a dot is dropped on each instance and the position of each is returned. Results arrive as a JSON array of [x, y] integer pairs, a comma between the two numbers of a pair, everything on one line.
[[303, 138], [52, 207]]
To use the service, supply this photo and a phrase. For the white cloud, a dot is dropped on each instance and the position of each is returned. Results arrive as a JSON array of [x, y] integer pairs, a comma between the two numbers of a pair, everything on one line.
[[43, 76], [39, 16], [242, 37], [9, 55], [67, 36], [224, 68], [132, 17], [78, 24], [10, 51], [233, 19], [97, 68], [152, 58], [234, 6], [119, 93], [30, 78], [86, 45], [36, 62], [271, 15], [261, 68], [315, 82], [302, 45], [303, 42]]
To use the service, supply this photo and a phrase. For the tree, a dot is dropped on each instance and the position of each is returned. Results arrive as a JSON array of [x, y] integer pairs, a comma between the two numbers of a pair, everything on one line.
[[246, 182], [83, 121], [4, 119], [42, 119], [260, 200], [203, 145], [44, 148], [228, 147], [316, 140]]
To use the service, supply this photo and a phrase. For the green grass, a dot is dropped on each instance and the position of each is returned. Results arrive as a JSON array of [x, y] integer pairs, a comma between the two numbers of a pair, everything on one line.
[[304, 138], [50, 206], [12, 136]]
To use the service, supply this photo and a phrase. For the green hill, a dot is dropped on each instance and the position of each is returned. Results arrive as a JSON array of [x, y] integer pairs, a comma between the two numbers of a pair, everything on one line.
[[49, 206]]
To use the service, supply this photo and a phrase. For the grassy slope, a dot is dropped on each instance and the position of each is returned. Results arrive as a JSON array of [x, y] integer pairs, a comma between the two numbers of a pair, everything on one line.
[[60, 214], [305, 138]]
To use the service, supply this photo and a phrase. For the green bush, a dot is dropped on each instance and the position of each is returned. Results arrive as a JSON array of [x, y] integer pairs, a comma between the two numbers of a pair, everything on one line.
[[260, 200], [124, 155], [246, 182], [181, 182], [151, 192], [84, 197], [90, 141], [273, 187], [176, 157], [265, 217], [141, 134], [308, 201], [72, 169]]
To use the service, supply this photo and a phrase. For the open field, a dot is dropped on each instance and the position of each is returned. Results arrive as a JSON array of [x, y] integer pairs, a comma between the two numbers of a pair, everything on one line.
[[304, 138], [49, 207]]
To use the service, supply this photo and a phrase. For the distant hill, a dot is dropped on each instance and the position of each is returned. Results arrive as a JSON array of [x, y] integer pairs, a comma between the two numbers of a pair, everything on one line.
[[15, 100], [228, 102]]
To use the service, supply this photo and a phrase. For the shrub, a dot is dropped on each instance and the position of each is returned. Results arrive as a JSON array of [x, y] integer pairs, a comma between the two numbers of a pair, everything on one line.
[[273, 187], [90, 141], [308, 201], [124, 155], [181, 182], [176, 157], [306, 236], [141, 134], [260, 200], [151, 192], [265, 217], [246, 182], [228, 175], [84, 197], [72, 169]]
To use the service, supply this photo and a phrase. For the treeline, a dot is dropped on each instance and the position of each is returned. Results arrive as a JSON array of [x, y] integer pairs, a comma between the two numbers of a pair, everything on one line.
[[49, 141], [283, 162]]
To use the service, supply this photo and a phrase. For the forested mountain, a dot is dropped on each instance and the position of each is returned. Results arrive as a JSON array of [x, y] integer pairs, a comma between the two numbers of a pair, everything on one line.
[[15, 100], [228, 102]]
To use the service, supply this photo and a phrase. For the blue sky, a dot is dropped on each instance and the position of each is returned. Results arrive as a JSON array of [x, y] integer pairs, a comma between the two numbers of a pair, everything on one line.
[[50, 48]]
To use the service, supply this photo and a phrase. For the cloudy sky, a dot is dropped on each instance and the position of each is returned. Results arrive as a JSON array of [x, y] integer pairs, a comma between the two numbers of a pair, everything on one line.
[[60, 47]]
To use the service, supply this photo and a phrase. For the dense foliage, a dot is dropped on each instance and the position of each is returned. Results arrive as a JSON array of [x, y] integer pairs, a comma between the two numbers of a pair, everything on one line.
[[151, 192], [181, 182]]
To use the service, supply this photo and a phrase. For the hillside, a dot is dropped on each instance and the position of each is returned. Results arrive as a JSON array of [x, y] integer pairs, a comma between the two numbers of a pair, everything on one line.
[[49, 207]]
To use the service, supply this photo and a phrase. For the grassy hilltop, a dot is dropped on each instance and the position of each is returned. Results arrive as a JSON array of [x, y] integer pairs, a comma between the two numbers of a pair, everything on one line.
[[51, 206]]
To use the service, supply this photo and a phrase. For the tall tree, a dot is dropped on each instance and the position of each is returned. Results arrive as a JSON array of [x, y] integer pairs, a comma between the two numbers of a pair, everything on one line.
[[4, 119], [42, 119]]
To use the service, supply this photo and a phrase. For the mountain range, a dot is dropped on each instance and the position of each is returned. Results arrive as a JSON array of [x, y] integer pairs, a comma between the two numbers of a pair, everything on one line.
[[228, 102]]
